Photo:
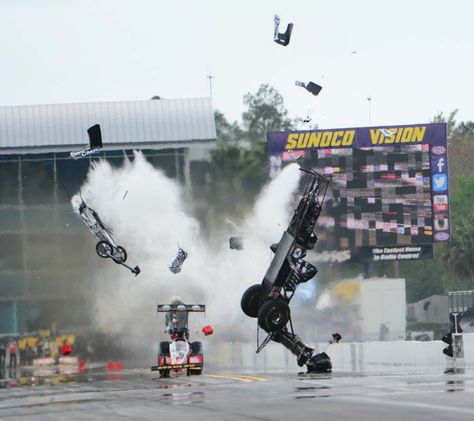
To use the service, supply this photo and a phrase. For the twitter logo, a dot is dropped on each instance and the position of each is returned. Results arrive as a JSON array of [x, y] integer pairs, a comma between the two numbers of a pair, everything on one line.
[[440, 182]]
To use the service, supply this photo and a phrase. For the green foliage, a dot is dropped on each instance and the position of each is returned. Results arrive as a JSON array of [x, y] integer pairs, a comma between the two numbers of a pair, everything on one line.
[[238, 166], [459, 256], [227, 132], [265, 112], [424, 278], [450, 120]]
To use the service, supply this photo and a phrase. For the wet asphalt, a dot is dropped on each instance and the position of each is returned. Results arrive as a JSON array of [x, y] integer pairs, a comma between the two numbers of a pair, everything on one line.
[[229, 395]]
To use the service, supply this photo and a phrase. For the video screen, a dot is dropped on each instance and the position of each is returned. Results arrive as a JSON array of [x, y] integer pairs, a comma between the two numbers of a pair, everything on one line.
[[382, 192]]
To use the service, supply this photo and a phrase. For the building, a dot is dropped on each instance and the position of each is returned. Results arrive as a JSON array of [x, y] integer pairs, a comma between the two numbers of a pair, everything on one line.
[[36, 222], [365, 309], [433, 309]]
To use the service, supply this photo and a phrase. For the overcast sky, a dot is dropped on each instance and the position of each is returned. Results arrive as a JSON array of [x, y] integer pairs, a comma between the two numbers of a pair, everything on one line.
[[414, 57]]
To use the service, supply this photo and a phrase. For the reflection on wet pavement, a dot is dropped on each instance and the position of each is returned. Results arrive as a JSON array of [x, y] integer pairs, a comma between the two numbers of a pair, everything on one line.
[[455, 386], [182, 398], [301, 389]]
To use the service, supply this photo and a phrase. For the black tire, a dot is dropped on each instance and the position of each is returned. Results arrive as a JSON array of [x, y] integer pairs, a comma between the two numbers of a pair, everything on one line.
[[104, 249], [273, 315], [251, 300], [164, 374], [165, 348], [123, 253], [196, 348], [194, 372]]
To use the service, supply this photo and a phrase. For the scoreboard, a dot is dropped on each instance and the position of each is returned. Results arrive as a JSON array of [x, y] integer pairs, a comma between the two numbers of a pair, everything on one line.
[[388, 192]]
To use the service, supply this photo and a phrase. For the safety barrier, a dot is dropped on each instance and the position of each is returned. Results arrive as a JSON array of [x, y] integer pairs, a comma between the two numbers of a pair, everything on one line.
[[365, 356]]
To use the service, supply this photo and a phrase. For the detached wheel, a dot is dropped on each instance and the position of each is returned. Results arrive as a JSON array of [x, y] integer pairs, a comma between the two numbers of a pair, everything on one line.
[[104, 249], [273, 315], [251, 300]]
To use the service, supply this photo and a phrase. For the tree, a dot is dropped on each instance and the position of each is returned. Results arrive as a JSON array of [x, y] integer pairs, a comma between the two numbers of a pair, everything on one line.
[[450, 120], [265, 112], [238, 167], [226, 132], [459, 255]]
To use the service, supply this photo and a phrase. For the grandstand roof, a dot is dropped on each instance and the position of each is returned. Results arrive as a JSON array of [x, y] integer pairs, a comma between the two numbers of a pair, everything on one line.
[[123, 123]]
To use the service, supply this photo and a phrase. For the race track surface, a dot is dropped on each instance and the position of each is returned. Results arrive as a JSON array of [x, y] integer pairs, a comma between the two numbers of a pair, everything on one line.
[[230, 395]]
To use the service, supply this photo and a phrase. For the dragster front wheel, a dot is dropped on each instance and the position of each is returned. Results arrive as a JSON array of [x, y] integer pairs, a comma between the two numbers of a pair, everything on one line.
[[273, 315], [122, 254], [104, 249]]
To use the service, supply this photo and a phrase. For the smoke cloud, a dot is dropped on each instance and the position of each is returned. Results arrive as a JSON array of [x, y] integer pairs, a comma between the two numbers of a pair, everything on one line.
[[149, 221]]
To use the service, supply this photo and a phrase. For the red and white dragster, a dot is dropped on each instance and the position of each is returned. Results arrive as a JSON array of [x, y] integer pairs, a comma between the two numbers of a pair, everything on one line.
[[180, 355]]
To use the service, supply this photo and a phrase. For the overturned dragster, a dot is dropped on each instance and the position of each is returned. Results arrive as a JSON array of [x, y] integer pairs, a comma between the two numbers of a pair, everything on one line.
[[106, 247], [269, 301]]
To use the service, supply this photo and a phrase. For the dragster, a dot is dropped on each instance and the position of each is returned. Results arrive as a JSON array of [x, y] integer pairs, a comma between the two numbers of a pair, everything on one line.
[[179, 354], [95, 143], [106, 247], [269, 301]]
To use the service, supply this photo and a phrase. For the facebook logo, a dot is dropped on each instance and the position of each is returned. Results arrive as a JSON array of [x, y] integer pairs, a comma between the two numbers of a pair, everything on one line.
[[440, 164], [440, 182]]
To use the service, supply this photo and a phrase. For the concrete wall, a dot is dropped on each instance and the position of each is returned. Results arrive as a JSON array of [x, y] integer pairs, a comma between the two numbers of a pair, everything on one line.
[[366, 356]]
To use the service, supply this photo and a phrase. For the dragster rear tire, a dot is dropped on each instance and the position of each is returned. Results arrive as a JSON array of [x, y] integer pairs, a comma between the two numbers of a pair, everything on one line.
[[273, 315], [165, 348], [104, 249], [196, 347], [252, 300]]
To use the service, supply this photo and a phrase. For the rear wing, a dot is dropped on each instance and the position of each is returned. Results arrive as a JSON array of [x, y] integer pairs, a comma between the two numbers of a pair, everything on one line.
[[197, 308], [95, 136]]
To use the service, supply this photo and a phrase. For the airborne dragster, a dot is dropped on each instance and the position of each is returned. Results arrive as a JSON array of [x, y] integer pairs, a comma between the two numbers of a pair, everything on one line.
[[269, 301], [106, 247]]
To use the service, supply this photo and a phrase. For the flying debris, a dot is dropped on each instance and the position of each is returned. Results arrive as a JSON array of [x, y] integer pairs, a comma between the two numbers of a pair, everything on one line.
[[310, 87], [386, 132], [175, 267], [284, 37], [207, 330], [125, 195], [307, 119], [353, 52], [106, 247], [336, 337], [236, 243], [95, 143]]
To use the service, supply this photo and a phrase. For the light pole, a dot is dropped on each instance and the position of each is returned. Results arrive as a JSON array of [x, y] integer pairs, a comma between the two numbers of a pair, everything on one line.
[[210, 77]]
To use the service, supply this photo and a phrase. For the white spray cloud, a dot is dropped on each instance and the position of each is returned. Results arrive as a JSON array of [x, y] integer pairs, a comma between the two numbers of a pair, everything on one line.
[[149, 223]]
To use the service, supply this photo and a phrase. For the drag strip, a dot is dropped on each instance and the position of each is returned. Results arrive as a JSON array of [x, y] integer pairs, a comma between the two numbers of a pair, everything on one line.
[[232, 395]]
